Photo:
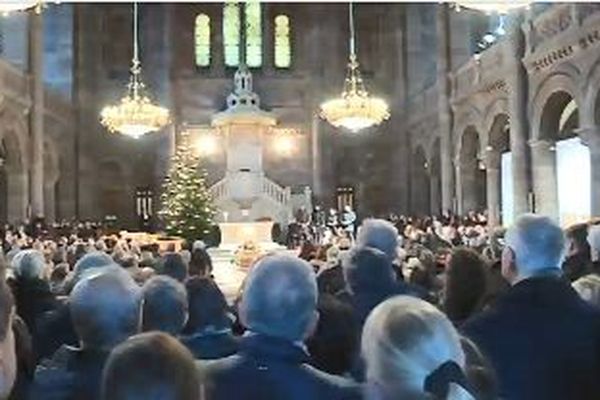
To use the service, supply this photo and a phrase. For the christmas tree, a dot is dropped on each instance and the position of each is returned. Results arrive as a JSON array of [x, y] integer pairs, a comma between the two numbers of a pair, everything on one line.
[[187, 207]]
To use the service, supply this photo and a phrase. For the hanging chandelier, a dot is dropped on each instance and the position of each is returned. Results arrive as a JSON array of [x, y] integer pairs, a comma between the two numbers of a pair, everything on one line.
[[134, 115], [355, 109], [490, 7], [7, 6]]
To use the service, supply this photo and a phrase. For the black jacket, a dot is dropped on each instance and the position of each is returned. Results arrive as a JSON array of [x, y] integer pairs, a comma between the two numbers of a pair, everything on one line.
[[543, 341], [211, 346], [268, 368]]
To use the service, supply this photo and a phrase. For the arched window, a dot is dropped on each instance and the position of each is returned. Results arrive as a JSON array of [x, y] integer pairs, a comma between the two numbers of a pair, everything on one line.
[[283, 49], [253, 31], [202, 39], [231, 33]]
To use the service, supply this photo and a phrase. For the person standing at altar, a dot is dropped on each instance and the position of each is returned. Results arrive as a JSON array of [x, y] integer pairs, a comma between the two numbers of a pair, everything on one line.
[[348, 220]]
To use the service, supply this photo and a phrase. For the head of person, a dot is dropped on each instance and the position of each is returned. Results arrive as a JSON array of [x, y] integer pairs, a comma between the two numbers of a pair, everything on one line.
[[593, 239], [31, 265], [280, 298], [406, 344], [165, 306], [576, 238], [105, 308], [535, 246], [367, 269], [379, 234], [588, 288], [151, 365], [465, 284], [8, 358], [200, 262], [173, 265], [208, 307]]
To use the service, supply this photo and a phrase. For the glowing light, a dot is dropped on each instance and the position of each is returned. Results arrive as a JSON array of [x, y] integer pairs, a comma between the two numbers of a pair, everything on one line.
[[284, 144], [206, 145], [489, 7]]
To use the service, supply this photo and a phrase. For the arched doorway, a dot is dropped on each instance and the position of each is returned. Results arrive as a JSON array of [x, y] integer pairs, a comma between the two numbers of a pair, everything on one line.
[[420, 192], [500, 197], [561, 163], [472, 182]]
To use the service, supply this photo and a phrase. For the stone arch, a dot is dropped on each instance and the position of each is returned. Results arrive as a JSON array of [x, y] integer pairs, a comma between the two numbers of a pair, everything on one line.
[[555, 91], [498, 107], [420, 192], [470, 119], [13, 140]]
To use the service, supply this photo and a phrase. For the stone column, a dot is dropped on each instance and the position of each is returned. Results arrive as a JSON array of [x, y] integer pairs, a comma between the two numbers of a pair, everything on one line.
[[543, 157], [315, 144], [434, 192], [492, 171], [517, 108], [466, 185], [444, 111], [591, 137], [457, 203], [36, 69]]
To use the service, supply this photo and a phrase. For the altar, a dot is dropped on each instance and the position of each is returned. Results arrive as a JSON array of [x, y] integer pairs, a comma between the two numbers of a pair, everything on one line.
[[233, 234]]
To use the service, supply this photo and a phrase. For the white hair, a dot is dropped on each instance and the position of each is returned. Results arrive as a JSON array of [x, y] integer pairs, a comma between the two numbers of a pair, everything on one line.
[[29, 264], [588, 288], [280, 297], [593, 239], [538, 244], [379, 234], [404, 340]]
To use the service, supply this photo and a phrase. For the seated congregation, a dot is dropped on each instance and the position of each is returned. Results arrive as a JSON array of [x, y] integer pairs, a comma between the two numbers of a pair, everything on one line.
[[387, 317]]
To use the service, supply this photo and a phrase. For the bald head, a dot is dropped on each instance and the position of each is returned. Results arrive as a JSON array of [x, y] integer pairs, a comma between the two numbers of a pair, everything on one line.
[[105, 308], [538, 244], [280, 297], [378, 234]]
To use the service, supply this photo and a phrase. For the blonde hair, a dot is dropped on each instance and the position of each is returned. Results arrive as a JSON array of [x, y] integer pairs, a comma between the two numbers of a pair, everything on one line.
[[404, 340]]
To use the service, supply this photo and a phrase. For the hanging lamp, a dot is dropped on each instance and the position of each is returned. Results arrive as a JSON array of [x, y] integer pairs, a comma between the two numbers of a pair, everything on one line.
[[135, 115], [355, 109]]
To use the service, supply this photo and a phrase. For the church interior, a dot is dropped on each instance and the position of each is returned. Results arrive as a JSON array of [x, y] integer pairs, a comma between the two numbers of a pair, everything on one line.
[[487, 111], [266, 200]]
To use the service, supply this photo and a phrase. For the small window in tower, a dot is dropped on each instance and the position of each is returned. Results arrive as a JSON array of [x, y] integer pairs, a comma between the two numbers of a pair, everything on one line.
[[202, 39], [283, 50]]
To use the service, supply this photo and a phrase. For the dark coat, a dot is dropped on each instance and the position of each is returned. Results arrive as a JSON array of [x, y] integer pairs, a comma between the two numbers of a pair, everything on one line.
[[211, 346], [331, 280], [53, 330], [33, 298], [543, 341], [268, 368], [71, 374]]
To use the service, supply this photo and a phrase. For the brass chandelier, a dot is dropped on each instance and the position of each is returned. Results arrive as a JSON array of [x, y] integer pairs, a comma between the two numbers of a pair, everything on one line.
[[489, 7], [355, 109], [134, 115]]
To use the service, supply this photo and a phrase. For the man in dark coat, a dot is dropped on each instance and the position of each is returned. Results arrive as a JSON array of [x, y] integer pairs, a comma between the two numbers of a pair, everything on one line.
[[106, 308], [279, 309], [542, 339]]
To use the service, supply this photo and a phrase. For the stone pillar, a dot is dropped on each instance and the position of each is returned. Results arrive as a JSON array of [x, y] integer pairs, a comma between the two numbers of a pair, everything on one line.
[[444, 111], [467, 185], [36, 69], [50, 202], [517, 107], [434, 192], [457, 203], [543, 157], [492, 171], [591, 137], [315, 144]]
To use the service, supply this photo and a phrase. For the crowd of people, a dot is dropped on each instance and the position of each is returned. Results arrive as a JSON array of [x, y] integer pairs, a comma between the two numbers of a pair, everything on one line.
[[408, 308]]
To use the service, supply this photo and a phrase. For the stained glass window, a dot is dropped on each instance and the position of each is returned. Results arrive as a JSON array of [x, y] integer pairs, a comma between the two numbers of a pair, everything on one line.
[[202, 38], [253, 31], [231, 33], [283, 50]]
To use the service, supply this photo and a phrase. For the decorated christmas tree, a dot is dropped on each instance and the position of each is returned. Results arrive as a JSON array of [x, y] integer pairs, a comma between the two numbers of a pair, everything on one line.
[[187, 208]]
